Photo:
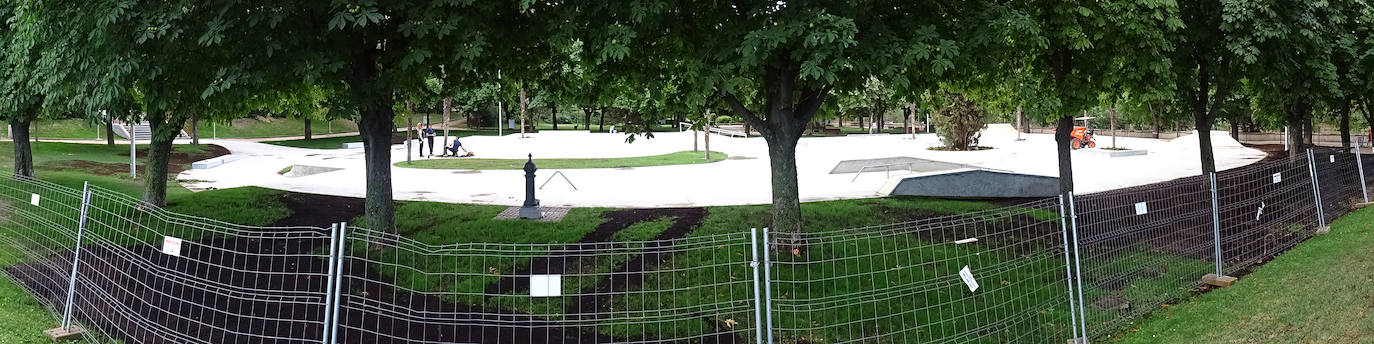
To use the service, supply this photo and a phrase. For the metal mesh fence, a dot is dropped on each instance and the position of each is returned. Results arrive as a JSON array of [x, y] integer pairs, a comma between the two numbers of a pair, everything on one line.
[[1039, 271], [901, 283], [694, 289]]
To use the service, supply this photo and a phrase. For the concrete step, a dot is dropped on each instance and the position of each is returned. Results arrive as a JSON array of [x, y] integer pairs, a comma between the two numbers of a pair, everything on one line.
[[142, 131]]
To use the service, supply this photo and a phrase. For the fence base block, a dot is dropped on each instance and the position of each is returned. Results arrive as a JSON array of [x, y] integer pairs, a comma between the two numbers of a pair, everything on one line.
[[1323, 230], [1362, 205], [1079, 340], [59, 334], [1218, 281]]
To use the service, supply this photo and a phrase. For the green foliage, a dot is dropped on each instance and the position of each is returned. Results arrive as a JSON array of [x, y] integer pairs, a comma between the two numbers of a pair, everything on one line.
[[959, 122]]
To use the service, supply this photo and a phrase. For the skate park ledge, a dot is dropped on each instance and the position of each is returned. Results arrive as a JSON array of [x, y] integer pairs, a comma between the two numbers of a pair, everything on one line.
[[972, 183]]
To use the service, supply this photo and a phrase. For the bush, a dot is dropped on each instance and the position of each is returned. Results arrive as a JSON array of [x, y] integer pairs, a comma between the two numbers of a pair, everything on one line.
[[725, 119], [958, 122]]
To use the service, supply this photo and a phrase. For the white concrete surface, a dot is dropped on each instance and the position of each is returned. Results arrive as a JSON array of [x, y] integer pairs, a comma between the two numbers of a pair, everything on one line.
[[744, 179]]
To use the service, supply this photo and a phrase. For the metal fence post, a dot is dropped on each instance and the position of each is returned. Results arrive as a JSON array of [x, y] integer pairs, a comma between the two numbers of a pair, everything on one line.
[[1316, 192], [1078, 270], [1068, 266], [1359, 166], [1216, 224], [329, 284], [337, 276], [76, 257], [767, 287], [758, 293]]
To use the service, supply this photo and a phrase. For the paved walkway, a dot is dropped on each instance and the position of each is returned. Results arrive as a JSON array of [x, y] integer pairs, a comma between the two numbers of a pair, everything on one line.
[[743, 179]]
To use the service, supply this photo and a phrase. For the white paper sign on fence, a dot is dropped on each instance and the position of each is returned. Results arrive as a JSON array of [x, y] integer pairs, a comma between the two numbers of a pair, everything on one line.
[[546, 285], [1278, 177], [1333, 158], [171, 246], [1141, 209], [967, 276], [34, 200]]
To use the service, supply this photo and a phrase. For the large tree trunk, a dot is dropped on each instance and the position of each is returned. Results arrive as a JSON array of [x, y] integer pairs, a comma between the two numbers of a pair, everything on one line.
[[1308, 129], [587, 118], [23, 151], [602, 118], [109, 132], [1235, 129], [1154, 119], [307, 128], [165, 130], [195, 130], [1345, 124], [1295, 113], [1203, 122], [789, 112], [1062, 137], [376, 128], [553, 118]]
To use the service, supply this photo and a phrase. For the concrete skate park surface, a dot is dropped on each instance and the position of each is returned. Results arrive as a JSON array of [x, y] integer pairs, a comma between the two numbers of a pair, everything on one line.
[[742, 179]]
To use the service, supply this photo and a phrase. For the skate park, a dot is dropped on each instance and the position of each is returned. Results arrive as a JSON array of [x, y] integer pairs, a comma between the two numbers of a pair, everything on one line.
[[829, 168]]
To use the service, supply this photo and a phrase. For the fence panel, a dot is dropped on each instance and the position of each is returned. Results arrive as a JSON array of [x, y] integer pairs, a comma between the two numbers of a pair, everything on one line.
[[1141, 247], [901, 283], [397, 289], [39, 222], [224, 284], [988, 276], [1266, 208]]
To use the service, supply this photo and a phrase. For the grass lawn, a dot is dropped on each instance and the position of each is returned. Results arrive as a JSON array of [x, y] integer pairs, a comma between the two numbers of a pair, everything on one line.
[[1321, 291], [678, 158], [74, 128], [272, 127], [55, 162], [847, 267]]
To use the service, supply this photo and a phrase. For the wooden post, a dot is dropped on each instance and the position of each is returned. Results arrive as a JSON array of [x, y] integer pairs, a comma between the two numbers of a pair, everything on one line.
[[522, 112], [708, 135], [1112, 111], [448, 104], [409, 128]]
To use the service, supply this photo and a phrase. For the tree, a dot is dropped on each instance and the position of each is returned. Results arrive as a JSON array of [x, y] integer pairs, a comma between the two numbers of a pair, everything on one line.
[[20, 97], [1288, 50], [775, 64], [960, 119], [1074, 51], [372, 52], [1203, 70]]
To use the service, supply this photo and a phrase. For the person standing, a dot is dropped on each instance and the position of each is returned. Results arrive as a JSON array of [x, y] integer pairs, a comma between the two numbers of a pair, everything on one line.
[[420, 136], [429, 138]]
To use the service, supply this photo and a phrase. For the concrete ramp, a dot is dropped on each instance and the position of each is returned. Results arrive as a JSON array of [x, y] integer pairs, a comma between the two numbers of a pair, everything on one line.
[[900, 163], [972, 183], [997, 131]]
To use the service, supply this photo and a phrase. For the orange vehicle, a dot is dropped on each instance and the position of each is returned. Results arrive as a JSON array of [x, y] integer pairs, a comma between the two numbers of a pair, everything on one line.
[[1082, 137]]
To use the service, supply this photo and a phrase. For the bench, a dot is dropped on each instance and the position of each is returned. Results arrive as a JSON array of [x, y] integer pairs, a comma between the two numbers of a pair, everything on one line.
[[214, 162]]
